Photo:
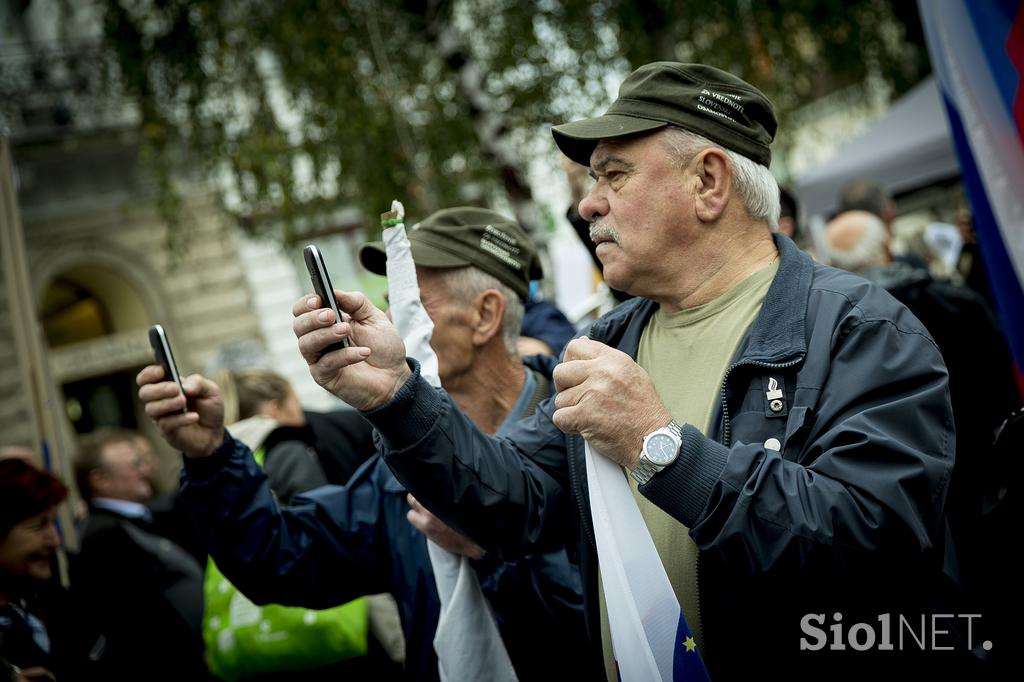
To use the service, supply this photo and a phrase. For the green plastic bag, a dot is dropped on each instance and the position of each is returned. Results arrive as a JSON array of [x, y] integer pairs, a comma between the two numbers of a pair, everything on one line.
[[243, 639]]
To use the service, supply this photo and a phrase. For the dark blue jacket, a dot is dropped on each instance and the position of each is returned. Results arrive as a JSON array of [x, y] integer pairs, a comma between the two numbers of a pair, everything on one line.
[[336, 543], [831, 502]]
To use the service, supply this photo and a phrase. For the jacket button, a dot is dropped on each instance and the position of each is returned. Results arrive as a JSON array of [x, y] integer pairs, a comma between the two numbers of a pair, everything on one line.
[[775, 406], [773, 444]]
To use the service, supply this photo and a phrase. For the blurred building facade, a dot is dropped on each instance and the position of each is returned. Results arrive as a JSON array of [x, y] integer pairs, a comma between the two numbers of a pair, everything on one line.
[[99, 260], [101, 274]]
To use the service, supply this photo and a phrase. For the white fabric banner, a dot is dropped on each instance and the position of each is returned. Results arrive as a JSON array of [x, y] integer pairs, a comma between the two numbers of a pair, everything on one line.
[[643, 612], [467, 641]]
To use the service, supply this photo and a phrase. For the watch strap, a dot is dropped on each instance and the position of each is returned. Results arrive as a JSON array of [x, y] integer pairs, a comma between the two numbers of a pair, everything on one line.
[[644, 470]]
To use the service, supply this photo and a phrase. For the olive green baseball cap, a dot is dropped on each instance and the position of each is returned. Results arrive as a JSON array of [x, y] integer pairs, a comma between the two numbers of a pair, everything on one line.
[[701, 99], [465, 235]]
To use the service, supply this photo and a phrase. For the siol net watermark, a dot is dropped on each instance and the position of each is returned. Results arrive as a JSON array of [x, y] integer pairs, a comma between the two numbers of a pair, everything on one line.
[[929, 632]]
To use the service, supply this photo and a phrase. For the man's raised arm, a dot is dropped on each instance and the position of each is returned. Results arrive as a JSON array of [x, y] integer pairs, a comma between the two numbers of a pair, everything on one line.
[[316, 553], [510, 498]]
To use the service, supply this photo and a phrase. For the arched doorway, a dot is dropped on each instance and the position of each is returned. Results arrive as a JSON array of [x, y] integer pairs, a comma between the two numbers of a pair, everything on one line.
[[95, 326]]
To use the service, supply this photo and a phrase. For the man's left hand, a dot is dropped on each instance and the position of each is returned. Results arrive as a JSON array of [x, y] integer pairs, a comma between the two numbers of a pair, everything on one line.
[[442, 535], [607, 398]]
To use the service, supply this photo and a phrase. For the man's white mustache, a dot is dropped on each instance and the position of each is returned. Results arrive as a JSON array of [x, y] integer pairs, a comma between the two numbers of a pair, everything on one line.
[[601, 232]]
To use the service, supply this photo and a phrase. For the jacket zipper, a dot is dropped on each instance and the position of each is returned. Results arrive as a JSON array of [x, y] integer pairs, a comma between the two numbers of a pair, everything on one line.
[[726, 426], [726, 441], [597, 333], [700, 556], [576, 485]]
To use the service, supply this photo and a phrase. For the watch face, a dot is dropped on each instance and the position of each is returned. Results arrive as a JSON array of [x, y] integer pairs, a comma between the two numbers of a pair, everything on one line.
[[661, 449]]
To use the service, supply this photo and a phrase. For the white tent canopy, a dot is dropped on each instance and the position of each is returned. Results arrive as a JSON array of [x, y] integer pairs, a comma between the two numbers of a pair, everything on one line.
[[907, 148]]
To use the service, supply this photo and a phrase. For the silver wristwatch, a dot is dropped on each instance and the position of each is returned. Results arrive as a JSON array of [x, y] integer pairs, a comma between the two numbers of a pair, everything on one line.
[[660, 449]]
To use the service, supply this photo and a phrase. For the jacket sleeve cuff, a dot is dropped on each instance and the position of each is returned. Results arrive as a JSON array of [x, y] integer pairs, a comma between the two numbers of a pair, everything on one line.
[[684, 487], [405, 419], [203, 468]]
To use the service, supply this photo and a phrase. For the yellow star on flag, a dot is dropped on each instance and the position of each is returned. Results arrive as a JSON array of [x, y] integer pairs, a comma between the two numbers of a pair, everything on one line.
[[690, 644]]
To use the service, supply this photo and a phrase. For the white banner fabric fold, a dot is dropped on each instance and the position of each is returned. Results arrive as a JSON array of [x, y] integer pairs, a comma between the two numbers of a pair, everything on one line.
[[407, 313], [467, 641], [643, 612]]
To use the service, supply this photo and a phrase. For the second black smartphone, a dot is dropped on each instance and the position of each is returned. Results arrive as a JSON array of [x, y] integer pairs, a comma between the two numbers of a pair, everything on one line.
[[323, 288], [163, 355]]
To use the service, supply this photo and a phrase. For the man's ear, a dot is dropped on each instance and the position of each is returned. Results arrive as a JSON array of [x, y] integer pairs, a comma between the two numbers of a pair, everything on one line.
[[489, 311], [96, 479], [714, 174]]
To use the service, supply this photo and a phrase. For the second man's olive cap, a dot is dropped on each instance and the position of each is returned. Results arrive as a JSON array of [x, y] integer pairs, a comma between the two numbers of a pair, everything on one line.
[[464, 235], [702, 99]]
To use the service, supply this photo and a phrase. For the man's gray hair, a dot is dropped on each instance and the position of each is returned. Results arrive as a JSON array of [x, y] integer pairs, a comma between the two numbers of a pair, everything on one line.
[[465, 284], [869, 250], [754, 183]]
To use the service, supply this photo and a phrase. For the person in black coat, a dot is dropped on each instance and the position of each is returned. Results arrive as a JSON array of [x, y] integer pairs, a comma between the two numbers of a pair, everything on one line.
[[144, 590]]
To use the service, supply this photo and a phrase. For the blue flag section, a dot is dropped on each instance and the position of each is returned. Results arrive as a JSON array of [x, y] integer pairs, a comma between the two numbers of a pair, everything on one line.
[[651, 641], [687, 664], [977, 51]]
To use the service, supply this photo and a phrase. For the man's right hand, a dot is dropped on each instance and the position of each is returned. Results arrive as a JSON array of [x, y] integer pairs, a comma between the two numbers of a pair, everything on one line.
[[370, 371], [197, 432]]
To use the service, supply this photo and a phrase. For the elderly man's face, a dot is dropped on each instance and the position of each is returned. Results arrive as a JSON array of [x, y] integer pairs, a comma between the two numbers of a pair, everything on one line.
[[452, 339], [26, 550], [638, 209]]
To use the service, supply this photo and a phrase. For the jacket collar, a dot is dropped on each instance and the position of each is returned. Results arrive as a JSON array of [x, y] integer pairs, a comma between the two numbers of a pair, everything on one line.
[[121, 508], [779, 331], [777, 334]]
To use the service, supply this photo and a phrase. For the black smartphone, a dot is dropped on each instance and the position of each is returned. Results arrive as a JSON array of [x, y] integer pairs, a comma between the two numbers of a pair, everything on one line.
[[163, 355], [323, 288]]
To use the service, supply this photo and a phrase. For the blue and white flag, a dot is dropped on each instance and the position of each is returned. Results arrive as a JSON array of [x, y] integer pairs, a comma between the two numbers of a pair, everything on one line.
[[977, 51], [651, 641]]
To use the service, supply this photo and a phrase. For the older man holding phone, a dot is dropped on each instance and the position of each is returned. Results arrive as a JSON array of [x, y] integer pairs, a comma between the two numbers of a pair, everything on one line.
[[340, 542], [808, 411]]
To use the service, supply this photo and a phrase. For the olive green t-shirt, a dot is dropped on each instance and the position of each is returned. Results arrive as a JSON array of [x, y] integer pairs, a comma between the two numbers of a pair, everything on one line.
[[686, 355]]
